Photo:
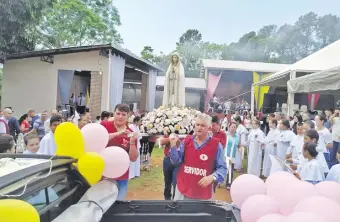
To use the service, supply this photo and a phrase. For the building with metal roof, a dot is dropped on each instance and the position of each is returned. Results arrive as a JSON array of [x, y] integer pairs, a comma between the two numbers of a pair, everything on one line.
[[105, 73]]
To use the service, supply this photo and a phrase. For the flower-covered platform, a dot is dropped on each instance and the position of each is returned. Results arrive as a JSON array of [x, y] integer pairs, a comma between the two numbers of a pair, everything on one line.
[[165, 121]]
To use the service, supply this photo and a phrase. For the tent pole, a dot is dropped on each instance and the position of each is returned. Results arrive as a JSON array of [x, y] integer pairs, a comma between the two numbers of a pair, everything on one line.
[[290, 99], [252, 101]]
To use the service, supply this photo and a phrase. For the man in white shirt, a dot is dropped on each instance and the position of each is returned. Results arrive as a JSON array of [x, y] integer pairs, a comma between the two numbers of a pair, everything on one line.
[[7, 113], [81, 104], [47, 122], [47, 144]]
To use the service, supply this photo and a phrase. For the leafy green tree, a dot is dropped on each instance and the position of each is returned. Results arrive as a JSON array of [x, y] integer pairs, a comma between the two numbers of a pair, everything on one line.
[[147, 53], [79, 22], [18, 19], [328, 30], [192, 36], [109, 15]]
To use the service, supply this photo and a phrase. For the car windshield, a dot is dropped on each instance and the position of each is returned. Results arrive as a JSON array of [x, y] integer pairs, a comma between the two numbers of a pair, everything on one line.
[[10, 165]]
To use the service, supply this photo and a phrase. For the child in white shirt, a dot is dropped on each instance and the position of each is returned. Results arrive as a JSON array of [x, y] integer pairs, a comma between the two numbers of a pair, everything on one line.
[[31, 144], [295, 149], [311, 171], [334, 173]]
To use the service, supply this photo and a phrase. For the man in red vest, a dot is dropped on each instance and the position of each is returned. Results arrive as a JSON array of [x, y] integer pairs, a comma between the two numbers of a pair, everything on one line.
[[122, 136], [202, 162]]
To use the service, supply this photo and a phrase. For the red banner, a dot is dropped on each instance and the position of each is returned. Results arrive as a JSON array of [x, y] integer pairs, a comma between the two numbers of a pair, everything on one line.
[[313, 100]]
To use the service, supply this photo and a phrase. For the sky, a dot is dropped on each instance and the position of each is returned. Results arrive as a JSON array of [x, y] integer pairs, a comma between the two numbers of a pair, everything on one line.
[[160, 23]]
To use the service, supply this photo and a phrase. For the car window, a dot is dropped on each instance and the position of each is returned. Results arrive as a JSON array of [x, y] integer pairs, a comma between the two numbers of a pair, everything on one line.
[[45, 197]]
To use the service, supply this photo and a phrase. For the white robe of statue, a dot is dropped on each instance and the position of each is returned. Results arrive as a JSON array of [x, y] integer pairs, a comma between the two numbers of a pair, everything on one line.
[[174, 84], [255, 140], [270, 149]]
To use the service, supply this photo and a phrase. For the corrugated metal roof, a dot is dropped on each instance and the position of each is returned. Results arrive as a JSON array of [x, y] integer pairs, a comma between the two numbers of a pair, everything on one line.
[[116, 49], [191, 83], [243, 66]]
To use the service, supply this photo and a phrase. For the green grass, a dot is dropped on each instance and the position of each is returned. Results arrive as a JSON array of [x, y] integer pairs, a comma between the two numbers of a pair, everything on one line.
[[151, 181]]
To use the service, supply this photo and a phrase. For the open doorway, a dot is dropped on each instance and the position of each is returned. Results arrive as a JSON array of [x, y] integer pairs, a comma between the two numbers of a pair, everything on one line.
[[73, 91]]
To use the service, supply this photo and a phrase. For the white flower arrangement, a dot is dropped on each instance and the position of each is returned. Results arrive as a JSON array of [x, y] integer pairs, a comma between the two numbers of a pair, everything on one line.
[[169, 120]]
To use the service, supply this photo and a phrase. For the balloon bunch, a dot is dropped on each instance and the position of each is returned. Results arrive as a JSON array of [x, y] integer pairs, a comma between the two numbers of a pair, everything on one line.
[[88, 145], [17, 211], [284, 198]]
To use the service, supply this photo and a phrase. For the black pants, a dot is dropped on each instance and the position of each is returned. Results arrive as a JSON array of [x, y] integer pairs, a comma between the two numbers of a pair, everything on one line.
[[170, 173], [230, 175], [71, 111], [81, 109], [146, 146]]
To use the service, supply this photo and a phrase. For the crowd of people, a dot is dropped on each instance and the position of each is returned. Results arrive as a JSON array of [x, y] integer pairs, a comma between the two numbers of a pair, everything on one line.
[[34, 134], [307, 144]]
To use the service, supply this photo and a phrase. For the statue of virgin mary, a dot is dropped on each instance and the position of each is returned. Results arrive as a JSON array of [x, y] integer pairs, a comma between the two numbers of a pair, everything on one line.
[[174, 84]]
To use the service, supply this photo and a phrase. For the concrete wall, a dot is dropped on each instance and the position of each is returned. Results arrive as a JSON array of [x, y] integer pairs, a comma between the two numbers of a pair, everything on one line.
[[31, 83]]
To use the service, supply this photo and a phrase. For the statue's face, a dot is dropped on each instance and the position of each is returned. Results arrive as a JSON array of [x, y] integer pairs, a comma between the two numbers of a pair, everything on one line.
[[175, 59]]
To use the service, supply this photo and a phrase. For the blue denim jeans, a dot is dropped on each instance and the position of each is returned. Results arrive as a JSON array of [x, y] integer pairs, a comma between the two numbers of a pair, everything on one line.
[[123, 188], [327, 158], [333, 151], [170, 173]]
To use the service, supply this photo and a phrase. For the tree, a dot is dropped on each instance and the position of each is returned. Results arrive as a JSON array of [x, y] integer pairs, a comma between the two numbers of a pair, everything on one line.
[[109, 15], [18, 20], [285, 44], [304, 35], [147, 53], [328, 30], [192, 36], [70, 23], [79, 22]]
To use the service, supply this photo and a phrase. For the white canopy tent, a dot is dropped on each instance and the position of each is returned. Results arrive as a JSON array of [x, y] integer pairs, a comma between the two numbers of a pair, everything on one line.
[[323, 59], [320, 81]]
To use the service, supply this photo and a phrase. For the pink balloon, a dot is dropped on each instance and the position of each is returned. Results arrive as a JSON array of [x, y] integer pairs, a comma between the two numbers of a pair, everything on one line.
[[117, 161], [245, 186], [278, 179], [320, 206], [291, 194], [258, 206], [272, 218], [329, 189], [95, 136], [304, 217]]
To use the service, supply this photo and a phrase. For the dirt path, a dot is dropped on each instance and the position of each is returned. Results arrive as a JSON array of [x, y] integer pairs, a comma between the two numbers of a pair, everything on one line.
[[150, 185]]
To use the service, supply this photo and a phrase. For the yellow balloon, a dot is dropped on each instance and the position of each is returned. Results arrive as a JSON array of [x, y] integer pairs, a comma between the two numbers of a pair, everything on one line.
[[17, 211], [69, 140], [91, 165]]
